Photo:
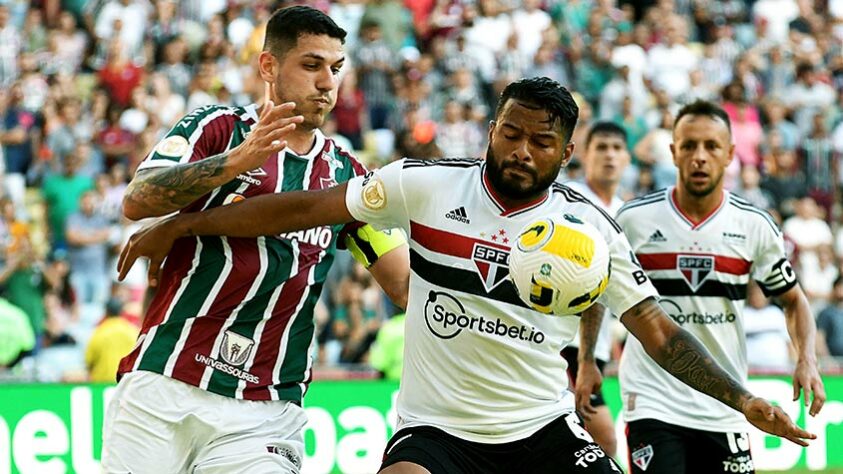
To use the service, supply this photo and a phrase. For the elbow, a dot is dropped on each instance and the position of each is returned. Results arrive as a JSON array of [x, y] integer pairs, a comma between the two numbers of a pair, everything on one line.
[[133, 211]]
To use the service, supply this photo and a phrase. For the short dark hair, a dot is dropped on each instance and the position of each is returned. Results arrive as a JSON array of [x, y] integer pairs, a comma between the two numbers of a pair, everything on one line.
[[543, 93], [286, 25], [606, 128], [704, 108]]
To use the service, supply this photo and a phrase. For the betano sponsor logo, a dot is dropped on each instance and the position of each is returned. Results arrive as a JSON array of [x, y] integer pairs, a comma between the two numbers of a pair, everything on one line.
[[318, 236], [694, 317], [446, 318]]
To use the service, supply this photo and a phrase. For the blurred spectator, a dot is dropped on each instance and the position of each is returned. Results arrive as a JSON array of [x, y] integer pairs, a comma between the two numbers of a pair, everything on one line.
[[751, 190], [358, 314], [456, 136], [817, 274], [777, 14], [807, 96], [784, 180], [395, 20], [767, 339], [10, 47], [174, 67], [747, 134], [820, 165], [19, 139], [777, 121], [387, 352], [124, 20], [16, 337], [670, 63], [112, 339], [529, 22], [88, 233], [119, 75], [375, 64], [23, 285], [830, 324], [62, 193], [350, 111], [653, 150]]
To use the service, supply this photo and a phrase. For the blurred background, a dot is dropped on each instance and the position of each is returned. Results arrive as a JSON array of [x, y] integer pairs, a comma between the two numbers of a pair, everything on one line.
[[87, 87]]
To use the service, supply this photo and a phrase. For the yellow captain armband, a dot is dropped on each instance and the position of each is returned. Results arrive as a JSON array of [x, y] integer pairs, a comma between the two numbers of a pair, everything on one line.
[[367, 244]]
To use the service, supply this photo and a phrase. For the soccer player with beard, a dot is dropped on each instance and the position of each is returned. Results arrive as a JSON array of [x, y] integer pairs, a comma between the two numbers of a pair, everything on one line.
[[216, 379], [700, 245], [483, 387]]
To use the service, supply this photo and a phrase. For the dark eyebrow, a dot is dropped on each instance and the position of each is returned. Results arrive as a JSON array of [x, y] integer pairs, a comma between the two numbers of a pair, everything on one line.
[[319, 57]]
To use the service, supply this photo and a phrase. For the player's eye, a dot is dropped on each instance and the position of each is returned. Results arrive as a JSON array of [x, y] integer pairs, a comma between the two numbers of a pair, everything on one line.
[[336, 70]]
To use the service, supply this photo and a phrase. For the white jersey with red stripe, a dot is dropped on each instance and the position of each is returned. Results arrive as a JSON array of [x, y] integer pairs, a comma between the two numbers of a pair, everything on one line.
[[701, 271], [603, 345], [478, 363]]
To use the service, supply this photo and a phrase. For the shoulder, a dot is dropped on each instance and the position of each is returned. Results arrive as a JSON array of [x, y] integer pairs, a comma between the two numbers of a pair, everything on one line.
[[644, 203], [752, 214], [443, 163], [346, 156], [575, 198], [199, 119]]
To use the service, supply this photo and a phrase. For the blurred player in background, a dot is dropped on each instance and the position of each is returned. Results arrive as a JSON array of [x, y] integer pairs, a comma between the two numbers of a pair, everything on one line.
[[216, 379], [605, 159], [482, 388], [700, 245]]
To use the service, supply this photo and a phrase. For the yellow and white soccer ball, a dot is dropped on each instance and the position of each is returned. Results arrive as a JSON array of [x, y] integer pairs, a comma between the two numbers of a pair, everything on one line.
[[560, 265]]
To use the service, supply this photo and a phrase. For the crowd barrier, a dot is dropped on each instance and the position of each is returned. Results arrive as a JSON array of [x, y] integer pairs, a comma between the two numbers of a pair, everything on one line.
[[56, 428]]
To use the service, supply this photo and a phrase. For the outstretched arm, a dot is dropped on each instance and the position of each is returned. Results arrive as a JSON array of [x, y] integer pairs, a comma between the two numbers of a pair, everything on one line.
[[803, 333], [159, 191], [269, 214], [681, 354]]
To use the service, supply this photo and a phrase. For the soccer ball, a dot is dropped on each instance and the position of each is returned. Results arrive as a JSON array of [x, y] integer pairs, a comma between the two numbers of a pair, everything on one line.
[[559, 266]]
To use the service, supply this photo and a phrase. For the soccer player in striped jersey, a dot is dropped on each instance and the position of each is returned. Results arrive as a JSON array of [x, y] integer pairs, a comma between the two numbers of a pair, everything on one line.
[[483, 387], [604, 162], [216, 379], [700, 245]]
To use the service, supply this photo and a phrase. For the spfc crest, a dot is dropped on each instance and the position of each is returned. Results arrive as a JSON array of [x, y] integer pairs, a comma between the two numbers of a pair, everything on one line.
[[695, 269], [641, 457], [492, 265], [235, 348]]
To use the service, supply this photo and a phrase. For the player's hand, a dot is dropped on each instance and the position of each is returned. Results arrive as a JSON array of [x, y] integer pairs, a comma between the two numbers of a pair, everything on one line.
[[153, 242], [775, 421], [806, 377], [267, 137], [589, 380]]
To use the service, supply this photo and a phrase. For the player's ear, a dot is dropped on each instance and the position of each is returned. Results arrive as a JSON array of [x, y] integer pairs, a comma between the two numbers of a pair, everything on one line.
[[491, 129], [266, 66], [568, 153]]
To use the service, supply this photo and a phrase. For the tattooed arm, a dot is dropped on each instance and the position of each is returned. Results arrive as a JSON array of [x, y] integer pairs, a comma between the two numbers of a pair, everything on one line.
[[589, 379], [681, 354], [160, 191]]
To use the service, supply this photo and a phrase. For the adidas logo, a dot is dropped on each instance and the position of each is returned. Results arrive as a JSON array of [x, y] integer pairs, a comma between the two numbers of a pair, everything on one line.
[[458, 215], [657, 237]]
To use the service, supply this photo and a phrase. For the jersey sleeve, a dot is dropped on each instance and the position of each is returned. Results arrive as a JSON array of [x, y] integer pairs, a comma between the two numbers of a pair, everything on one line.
[[378, 197], [771, 267], [202, 133], [628, 284]]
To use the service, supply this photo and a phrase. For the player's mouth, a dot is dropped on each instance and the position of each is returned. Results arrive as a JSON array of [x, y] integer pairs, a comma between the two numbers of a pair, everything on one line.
[[699, 176], [519, 172]]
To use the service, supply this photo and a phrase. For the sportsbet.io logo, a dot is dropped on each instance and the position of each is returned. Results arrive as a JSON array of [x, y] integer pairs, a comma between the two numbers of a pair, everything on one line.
[[681, 317], [446, 318]]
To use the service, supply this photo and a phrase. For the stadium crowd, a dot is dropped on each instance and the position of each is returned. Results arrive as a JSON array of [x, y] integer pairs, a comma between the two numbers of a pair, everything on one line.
[[87, 87]]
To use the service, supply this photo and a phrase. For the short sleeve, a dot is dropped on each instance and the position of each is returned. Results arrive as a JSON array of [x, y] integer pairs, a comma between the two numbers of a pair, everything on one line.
[[377, 197], [771, 267], [628, 284], [204, 132]]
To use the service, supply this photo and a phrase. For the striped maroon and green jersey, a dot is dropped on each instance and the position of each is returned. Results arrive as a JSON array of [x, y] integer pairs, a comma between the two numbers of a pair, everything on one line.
[[234, 316]]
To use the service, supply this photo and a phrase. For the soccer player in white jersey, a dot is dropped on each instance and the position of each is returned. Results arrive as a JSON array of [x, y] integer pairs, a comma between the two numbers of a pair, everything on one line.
[[483, 387], [223, 360], [604, 161], [700, 245]]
